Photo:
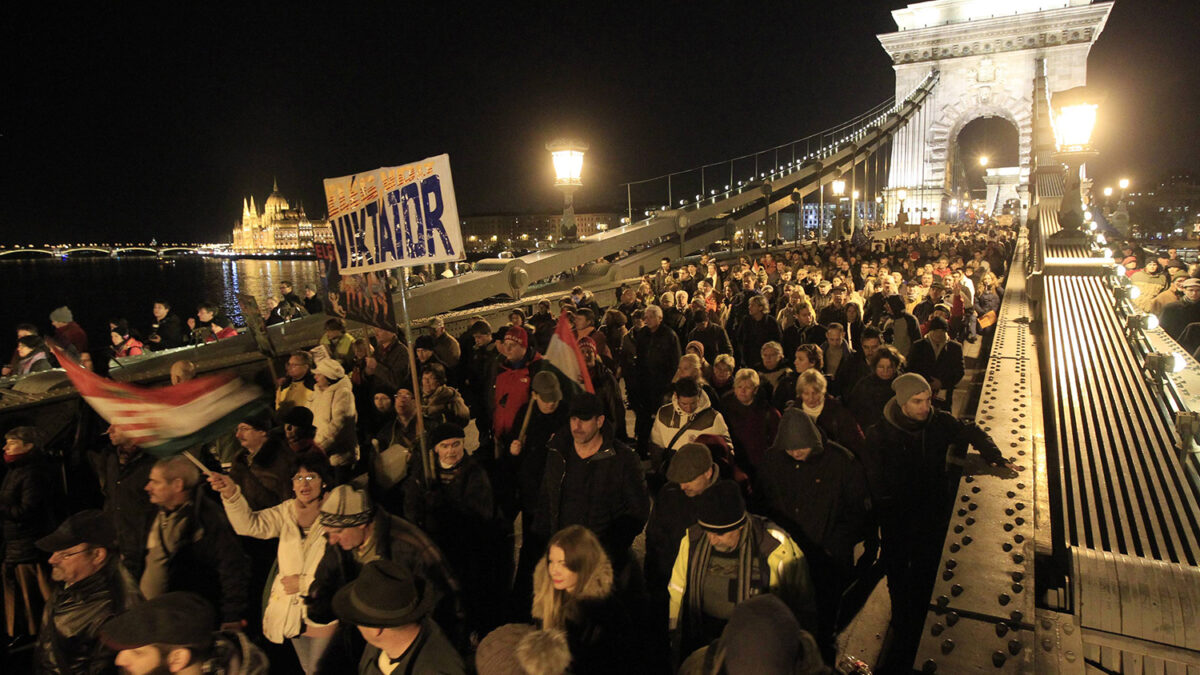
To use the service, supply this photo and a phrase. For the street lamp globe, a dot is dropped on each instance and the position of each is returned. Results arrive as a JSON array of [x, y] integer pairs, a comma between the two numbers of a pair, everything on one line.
[[1073, 117], [568, 168], [1124, 183], [901, 194], [839, 187], [983, 160], [1108, 192]]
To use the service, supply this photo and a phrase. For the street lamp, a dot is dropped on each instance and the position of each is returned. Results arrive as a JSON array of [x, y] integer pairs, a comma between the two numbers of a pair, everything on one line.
[[1074, 117], [568, 165], [839, 189], [983, 160]]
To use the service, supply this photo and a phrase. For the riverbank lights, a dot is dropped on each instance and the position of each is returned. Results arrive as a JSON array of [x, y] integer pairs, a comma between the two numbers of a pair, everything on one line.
[[568, 169]]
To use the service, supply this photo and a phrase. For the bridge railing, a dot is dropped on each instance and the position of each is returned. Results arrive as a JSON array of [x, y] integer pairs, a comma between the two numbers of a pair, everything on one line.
[[720, 179]]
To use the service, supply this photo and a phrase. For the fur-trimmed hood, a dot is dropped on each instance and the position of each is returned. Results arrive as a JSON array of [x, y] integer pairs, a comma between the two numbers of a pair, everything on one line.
[[598, 587]]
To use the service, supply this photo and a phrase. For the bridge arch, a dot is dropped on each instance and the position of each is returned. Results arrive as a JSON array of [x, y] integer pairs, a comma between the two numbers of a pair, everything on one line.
[[16, 251]]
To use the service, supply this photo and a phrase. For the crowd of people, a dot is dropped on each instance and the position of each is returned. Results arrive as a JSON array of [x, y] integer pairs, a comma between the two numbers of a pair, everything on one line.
[[766, 437]]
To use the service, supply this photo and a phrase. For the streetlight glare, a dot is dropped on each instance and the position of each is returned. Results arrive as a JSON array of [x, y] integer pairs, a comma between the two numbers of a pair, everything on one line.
[[901, 194], [1124, 183], [568, 165], [1108, 192], [983, 160], [1073, 126], [839, 187]]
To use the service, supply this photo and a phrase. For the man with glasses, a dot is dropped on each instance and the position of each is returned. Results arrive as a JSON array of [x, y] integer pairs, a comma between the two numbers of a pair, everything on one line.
[[297, 386], [90, 587]]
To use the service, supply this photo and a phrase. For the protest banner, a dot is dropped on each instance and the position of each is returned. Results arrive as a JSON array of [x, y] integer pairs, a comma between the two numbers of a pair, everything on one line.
[[364, 297], [396, 216]]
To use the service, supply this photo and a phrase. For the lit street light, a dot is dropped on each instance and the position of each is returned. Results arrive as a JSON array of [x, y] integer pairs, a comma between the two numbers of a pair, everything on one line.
[[1074, 117], [568, 166], [983, 160]]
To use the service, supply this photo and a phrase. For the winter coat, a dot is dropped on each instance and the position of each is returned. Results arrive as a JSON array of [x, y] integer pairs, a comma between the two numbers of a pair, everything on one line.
[[170, 330], [822, 501], [751, 427], [391, 365], [447, 350], [432, 652], [657, 358], [209, 559], [510, 392], [27, 498], [605, 385], [713, 337], [867, 399], [913, 470], [1177, 315], [37, 361], [838, 382], [795, 335], [615, 506], [334, 416], [752, 335], [298, 554], [902, 331], [266, 477], [69, 640], [445, 406], [126, 501], [670, 419], [597, 624], [946, 367], [837, 423], [673, 513], [769, 380], [296, 392], [778, 566]]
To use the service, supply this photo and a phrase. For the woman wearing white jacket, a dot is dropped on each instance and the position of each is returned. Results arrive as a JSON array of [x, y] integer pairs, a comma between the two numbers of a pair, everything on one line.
[[334, 414], [297, 524]]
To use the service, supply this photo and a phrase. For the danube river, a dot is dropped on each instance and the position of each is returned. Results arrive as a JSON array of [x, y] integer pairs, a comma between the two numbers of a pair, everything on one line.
[[99, 289]]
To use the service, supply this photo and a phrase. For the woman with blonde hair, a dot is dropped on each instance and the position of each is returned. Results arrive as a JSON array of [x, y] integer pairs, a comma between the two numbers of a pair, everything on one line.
[[691, 367], [573, 592]]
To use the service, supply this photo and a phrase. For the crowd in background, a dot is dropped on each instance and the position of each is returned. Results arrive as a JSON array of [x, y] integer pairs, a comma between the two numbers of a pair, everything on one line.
[[791, 442]]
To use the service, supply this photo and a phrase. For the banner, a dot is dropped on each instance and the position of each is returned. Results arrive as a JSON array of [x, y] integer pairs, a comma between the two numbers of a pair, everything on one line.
[[365, 297], [397, 216]]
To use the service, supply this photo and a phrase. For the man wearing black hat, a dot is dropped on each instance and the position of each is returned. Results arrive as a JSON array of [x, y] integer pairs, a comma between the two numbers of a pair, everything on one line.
[[175, 633], [391, 606], [458, 511], [939, 360], [592, 480], [727, 557], [90, 587], [298, 430], [262, 467], [924, 309]]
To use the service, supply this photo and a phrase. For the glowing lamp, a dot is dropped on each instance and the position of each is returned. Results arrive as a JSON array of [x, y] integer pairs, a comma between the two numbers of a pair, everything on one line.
[[1124, 183], [839, 187]]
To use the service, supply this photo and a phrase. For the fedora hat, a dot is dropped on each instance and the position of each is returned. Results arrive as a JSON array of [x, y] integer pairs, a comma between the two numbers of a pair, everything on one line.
[[385, 595]]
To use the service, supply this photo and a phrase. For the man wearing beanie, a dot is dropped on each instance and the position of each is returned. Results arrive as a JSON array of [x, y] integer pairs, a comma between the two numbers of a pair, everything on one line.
[[514, 372], [939, 360], [68, 334], [456, 508], [909, 456], [761, 638], [817, 491], [727, 557]]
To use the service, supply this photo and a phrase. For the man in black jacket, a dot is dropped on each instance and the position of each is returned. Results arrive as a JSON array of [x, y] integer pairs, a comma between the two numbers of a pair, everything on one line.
[[907, 458], [91, 587], [939, 360], [657, 358], [123, 470], [167, 330], [594, 481], [756, 330]]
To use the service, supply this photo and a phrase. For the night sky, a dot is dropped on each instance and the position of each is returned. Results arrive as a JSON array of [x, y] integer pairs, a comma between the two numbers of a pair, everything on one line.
[[123, 123]]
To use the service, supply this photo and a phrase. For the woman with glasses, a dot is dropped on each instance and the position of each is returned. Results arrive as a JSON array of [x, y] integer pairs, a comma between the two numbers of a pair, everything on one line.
[[301, 545]]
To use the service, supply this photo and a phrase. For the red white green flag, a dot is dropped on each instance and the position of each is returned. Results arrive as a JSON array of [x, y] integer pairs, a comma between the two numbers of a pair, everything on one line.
[[564, 356]]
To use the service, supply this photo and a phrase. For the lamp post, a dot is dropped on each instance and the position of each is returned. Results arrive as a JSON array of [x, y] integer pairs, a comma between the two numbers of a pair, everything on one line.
[[839, 188], [878, 205], [902, 217], [568, 165], [1074, 116]]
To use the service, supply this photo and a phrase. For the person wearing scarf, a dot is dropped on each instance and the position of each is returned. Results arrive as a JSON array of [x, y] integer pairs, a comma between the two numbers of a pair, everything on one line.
[[725, 558]]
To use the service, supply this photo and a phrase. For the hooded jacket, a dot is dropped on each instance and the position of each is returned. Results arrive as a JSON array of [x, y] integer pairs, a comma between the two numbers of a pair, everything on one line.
[[511, 391], [26, 506], [334, 416], [671, 418], [821, 501]]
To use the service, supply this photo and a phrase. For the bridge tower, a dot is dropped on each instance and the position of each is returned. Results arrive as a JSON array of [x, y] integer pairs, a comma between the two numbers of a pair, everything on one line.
[[986, 51]]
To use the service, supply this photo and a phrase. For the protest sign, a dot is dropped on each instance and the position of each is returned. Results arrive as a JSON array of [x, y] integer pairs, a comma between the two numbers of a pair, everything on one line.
[[397, 216], [364, 297]]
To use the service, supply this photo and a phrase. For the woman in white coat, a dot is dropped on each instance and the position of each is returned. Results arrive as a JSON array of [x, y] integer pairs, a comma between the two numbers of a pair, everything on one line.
[[334, 415], [301, 546]]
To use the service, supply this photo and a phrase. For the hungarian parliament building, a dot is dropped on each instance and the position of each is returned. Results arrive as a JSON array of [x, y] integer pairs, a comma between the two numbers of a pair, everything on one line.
[[278, 227]]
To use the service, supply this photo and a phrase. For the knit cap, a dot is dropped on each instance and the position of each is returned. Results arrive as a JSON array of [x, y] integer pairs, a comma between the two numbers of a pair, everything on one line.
[[907, 386], [62, 315]]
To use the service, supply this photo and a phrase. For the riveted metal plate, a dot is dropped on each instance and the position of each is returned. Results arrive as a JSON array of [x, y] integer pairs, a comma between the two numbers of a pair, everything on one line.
[[954, 643]]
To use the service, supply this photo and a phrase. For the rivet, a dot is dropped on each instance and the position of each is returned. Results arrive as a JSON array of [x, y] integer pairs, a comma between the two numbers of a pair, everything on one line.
[[947, 646], [937, 629], [1010, 494], [963, 512], [965, 498], [1009, 512], [1020, 506], [942, 601], [1018, 576], [1020, 521], [1014, 647], [972, 506], [1008, 527], [1007, 547], [1019, 538], [966, 540], [951, 564], [1070, 656], [947, 575], [1001, 629], [1017, 557], [930, 666], [1004, 599], [951, 618], [970, 521], [958, 529], [1017, 615], [1068, 628], [1017, 588], [1046, 624], [1047, 644], [956, 590], [975, 489], [999, 658], [954, 547]]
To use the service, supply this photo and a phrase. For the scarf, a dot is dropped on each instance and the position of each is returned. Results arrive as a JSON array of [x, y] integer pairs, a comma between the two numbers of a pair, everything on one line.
[[813, 413], [750, 575]]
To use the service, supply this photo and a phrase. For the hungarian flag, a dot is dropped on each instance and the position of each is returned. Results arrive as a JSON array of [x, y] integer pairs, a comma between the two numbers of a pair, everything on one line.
[[167, 420], [563, 356]]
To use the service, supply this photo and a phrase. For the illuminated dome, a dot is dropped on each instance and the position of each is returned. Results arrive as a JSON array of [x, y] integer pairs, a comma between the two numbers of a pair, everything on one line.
[[275, 203]]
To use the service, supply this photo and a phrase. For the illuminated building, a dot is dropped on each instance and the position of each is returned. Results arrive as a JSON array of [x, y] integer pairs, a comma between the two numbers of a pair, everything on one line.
[[278, 227]]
